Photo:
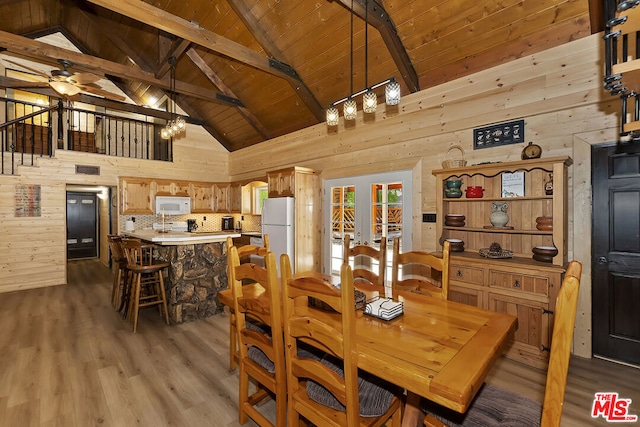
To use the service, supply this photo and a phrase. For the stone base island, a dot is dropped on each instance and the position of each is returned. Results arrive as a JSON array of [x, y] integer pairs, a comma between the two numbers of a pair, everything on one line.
[[197, 270]]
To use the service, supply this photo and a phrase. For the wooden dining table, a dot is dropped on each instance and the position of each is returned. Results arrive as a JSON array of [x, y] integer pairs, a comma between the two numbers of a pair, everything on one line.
[[439, 350]]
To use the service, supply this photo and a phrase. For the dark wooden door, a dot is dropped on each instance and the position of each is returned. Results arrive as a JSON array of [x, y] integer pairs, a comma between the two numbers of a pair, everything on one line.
[[616, 254], [82, 217]]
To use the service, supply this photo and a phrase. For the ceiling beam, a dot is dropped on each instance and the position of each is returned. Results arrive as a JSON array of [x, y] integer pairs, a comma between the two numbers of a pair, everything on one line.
[[380, 19], [178, 48], [250, 21], [33, 49], [217, 81], [158, 18]]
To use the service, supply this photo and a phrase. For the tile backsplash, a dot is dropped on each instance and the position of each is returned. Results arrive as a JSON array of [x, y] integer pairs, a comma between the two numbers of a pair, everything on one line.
[[213, 222]]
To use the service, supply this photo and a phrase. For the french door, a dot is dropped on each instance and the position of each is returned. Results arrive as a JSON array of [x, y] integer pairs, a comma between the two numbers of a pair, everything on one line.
[[366, 208]]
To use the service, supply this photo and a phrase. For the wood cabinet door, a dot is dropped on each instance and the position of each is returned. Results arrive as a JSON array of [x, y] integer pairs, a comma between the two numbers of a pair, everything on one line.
[[180, 188], [201, 197], [221, 202], [281, 183], [235, 197], [162, 187], [532, 334], [135, 196], [465, 295], [171, 188]]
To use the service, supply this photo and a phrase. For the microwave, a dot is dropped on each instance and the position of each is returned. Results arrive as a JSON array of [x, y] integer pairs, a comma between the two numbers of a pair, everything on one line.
[[171, 205]]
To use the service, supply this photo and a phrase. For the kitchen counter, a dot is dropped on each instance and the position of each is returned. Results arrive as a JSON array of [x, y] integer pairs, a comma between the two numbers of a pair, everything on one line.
[[173, 238], [251, 233]]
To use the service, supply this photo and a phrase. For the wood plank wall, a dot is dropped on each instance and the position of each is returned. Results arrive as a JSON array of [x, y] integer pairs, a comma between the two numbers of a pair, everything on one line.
[[559, 94], [34, 249]]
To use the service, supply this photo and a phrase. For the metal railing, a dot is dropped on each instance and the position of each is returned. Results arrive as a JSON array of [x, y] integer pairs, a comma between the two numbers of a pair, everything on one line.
[[28, 133]]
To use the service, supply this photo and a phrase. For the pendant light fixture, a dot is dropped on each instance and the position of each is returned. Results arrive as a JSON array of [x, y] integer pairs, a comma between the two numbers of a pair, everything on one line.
[[176, 125], [350, 106], [369, 98]]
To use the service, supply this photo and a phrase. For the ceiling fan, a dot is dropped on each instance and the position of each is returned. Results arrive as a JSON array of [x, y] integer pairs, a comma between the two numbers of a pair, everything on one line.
[[69, 83]]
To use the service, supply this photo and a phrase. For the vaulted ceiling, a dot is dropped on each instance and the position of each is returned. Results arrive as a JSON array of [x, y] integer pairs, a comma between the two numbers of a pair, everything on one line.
[[251, 70]]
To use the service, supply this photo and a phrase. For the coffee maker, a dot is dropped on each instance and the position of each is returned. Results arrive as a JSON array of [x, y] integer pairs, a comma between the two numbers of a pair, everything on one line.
[[192, 225], [227, 223]]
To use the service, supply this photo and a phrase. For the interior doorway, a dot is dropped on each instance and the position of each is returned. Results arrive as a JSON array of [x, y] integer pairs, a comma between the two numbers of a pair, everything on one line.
[[616, 254], [82, 225]]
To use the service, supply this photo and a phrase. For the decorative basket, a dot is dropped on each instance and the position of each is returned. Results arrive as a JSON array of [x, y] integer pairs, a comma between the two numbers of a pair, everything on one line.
[[454, 163]]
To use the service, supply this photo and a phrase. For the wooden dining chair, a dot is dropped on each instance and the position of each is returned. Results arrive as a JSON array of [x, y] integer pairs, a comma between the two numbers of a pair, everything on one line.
[[147, 283], [244, 252], [329, 391], [421, 271], [260, 344], [364, 257], [494, 406]]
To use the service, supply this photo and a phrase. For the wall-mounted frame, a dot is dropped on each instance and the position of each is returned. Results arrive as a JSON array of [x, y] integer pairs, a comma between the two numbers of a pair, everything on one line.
[[499, 134]]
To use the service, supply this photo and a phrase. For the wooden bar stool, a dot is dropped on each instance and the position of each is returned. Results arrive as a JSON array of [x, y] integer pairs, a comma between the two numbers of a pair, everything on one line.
[[147, 284], [119, 260]]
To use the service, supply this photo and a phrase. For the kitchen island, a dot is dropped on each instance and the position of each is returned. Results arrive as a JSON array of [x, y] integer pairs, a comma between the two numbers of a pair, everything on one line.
[[197, 270]]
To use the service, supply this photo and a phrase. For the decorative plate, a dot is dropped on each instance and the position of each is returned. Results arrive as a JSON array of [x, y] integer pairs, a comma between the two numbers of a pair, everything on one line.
[[503, 254]]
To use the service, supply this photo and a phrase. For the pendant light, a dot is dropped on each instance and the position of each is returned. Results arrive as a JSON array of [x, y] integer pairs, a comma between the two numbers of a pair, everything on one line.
[[350, 106], [176, 125], [369, 99]]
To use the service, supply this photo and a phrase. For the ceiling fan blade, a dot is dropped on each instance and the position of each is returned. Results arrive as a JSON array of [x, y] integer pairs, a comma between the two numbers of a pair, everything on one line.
[[100, 92], [85, 78], [33, 70], [25, 85]]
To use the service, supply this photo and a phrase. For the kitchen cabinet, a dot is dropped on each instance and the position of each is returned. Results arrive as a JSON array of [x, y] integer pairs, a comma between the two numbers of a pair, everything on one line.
[[221, 197], [162, 187], [282, 182], [235, 197], [201, 197], [515, 284], [136, 196], [305, 186]]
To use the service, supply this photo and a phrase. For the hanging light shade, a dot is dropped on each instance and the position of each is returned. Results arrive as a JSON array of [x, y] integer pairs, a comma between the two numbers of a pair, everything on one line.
[[392, 92], [370, 102], [181, 123], [350, 109], [164, 133], [64, 88], [333, 116]]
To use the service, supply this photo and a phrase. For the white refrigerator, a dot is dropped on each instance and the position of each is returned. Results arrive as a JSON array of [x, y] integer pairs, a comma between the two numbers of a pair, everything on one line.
[[277, 222]]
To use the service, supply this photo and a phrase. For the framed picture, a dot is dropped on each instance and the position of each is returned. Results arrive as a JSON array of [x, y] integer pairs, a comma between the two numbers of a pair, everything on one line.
[[499, 134], [513, 184]]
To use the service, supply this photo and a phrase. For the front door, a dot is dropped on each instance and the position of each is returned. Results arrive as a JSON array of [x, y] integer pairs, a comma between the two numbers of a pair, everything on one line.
[[616, 255], [82, 215], [367, 208]]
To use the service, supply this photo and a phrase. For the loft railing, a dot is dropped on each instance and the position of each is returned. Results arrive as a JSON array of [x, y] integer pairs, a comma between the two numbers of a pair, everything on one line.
[[25, 134], [622, 61], [32, 130]]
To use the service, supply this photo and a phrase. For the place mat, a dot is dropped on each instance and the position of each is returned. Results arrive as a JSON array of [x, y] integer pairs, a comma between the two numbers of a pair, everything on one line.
[[502, 254]]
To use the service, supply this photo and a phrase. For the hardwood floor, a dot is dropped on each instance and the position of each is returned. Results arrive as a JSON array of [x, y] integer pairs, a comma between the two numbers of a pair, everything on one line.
[[68, 359]]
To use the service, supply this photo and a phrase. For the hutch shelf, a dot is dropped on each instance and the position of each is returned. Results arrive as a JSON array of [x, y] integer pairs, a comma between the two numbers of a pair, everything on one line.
[[518, 285]]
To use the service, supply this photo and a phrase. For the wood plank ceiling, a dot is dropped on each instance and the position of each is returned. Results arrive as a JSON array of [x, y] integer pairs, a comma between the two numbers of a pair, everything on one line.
[[250, 70]]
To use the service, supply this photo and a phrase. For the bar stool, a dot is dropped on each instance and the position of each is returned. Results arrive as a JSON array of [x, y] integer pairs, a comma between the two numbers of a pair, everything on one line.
[[119, 260], [145, 274]]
